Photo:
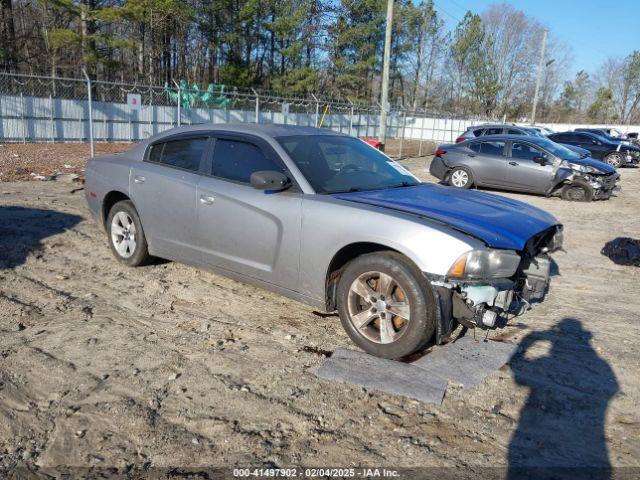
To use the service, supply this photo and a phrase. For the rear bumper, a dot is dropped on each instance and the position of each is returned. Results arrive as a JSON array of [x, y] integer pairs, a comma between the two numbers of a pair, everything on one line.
[[438, 168]]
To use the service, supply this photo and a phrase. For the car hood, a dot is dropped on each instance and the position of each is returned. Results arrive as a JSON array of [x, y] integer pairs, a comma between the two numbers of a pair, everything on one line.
[[600, 166], [498, 221]]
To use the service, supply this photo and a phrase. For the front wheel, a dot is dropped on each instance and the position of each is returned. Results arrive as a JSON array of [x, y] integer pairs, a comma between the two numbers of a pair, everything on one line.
[[614, 159], [386, 306], [460, 178], [577, 192], [126, 237]]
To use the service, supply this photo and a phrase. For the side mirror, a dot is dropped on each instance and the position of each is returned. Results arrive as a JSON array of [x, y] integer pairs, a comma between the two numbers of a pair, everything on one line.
[[540, 160], [270, 180]]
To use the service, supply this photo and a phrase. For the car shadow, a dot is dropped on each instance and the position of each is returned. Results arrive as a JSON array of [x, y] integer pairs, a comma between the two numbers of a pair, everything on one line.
[[561, 428], [23, 229]]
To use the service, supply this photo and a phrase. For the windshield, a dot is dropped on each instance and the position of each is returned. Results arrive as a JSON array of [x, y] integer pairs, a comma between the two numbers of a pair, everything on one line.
[[535, 132], [333, 164], [561, 151]]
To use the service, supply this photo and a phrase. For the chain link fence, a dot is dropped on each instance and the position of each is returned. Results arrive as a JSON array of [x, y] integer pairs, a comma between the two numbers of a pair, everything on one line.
[[55, 109]]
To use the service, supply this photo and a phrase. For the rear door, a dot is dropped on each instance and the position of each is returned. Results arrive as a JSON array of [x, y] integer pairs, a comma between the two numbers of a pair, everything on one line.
[[487, 161], [523, 173], [163, 190], [597, 148], [241, 229]]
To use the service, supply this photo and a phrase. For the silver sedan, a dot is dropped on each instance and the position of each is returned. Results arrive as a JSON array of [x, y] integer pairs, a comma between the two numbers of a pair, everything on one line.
[[328, 220]]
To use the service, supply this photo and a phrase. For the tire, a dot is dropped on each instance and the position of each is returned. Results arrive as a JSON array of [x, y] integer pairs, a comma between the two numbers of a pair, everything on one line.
[[126, 237], [577, 192], [614, 159], [460, 177], [379, 330]]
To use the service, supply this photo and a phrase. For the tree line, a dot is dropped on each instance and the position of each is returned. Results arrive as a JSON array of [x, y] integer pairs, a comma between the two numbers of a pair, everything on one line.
[[486, 64]]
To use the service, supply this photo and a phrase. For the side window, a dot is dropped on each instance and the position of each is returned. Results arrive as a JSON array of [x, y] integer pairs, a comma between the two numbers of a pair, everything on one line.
[[236, 160], [477, 132], [155, 154], [525, 151], [492, 148], [494, 131], [184, 154], [514, 132], [475, 147]]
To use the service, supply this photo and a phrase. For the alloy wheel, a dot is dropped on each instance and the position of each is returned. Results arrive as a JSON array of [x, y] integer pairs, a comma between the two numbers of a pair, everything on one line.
[[459, 178], [378, 307], [615, 160], [123, 234]]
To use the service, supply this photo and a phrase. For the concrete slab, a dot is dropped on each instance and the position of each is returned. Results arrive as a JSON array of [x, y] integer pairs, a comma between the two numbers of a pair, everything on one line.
[[389, 376], [465, 361]]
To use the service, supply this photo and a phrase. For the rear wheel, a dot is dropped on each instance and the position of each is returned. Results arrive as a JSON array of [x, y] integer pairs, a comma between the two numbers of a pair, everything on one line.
[[614, 159], [460, 178], [386, 306], [126, 237]]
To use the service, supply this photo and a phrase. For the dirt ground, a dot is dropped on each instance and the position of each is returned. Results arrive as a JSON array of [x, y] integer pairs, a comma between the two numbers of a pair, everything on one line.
[[103, 366]]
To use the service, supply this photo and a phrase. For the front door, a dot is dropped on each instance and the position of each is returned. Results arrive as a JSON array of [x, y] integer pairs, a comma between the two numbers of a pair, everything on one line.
[[163, 190], [523, 173], [242, 229]]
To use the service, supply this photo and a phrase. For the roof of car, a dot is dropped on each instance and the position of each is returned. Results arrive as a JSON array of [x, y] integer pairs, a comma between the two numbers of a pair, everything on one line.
[[490, 125], [507, 136], [260, 129]]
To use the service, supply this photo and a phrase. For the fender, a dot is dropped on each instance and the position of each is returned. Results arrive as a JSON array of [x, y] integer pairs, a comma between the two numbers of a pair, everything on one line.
[[563, 176]]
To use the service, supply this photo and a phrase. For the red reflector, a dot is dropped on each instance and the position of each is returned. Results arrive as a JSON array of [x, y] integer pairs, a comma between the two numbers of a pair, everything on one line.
[[93, 194], [460, 139], [440, 152]]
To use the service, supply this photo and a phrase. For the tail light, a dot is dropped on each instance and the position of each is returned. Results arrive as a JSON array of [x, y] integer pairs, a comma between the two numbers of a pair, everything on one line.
[[440, 152], [460, 139]]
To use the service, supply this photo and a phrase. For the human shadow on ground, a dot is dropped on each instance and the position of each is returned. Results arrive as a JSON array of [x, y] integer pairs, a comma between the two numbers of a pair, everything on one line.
[[22, 230], [561, 429]]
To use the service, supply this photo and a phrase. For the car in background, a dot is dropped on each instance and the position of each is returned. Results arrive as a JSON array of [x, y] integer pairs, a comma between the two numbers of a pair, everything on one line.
[[612, 134], [325, 219], [545, 131], [527, 164], [513, 129], [611, 152]]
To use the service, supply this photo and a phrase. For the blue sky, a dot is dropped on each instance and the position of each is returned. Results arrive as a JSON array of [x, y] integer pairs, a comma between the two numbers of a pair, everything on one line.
[[594, 29]]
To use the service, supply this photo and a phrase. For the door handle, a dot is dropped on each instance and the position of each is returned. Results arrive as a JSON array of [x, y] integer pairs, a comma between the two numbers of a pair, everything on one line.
[[515, 164], [206, 199], [139, 179], [471, 154]]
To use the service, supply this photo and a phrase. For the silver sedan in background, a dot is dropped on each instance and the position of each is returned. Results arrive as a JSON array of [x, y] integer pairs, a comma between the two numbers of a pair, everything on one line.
[[523, 163]]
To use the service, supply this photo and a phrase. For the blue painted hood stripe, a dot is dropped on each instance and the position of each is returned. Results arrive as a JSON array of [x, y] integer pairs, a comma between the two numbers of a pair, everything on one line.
[[498, 221]]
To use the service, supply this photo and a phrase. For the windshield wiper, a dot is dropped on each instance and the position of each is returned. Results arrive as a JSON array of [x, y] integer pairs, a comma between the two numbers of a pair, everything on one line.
[[348, 190], [403, 184]]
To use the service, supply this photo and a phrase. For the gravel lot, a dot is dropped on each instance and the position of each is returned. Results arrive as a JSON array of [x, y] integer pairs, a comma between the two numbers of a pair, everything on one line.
[[164, 366]]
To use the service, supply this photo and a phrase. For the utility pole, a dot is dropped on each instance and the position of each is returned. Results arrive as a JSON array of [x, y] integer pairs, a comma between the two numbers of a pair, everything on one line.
[[384, 96], [541, 67]]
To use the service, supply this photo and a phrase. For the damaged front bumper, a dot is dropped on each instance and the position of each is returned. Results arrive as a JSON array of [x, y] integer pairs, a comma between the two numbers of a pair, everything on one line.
[[603, 185], [480, 304]]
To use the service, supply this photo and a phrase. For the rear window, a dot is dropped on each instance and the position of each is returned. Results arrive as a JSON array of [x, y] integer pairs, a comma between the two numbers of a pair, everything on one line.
[[184, 154], [488, 148]]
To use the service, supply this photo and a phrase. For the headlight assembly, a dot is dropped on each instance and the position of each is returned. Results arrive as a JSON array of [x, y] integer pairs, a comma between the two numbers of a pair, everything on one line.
[[583, 168], [480, 264], [557, 240]]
